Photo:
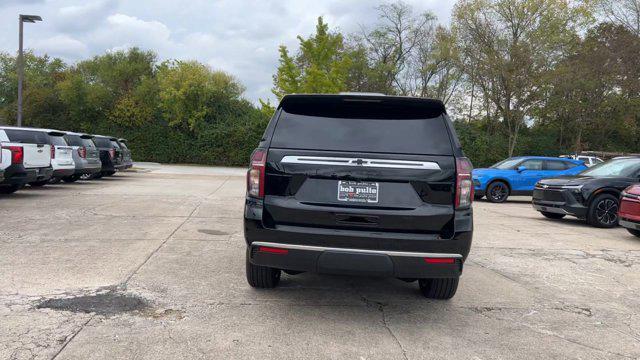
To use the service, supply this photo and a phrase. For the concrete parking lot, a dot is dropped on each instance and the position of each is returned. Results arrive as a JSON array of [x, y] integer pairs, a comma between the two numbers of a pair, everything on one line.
[[150, 265]]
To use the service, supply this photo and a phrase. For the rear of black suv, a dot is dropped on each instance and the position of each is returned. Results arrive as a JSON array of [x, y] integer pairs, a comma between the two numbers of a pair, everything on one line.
[[359, 185]]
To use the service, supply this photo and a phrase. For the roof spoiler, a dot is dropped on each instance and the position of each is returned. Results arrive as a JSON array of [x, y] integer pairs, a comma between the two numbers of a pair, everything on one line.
[[362, 106], [56, 133]]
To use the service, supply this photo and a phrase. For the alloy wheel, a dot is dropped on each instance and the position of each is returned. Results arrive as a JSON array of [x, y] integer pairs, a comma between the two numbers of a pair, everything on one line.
[[498, 192], [607, 212]]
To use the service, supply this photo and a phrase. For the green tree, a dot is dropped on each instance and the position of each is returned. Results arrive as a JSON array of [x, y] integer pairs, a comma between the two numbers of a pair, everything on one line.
[[191, 93], [509, 47], [321, 64], [41, 103], [594, 99]]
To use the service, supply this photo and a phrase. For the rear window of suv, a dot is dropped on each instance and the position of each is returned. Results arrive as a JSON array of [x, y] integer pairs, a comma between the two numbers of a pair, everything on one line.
[[88, 143], [27, 136], [74, 140], [382, 135], [57, 140], [102, 142]]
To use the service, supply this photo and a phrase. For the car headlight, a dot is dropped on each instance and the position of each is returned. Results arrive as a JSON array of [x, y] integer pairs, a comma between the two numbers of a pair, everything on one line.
[[574, 188]]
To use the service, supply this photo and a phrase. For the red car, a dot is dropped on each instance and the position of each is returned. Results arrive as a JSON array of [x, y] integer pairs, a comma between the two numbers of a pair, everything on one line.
[[629, 213]]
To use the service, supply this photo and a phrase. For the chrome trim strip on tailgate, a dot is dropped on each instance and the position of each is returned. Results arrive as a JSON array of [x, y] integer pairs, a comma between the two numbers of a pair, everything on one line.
[[361, 251], [378, 163]]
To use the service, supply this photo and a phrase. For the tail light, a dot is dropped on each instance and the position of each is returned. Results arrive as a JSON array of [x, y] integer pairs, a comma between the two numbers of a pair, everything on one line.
[[17, 154], [271, 250], [53, 151], [464, 184], [82, 152], [112, 153], [255, 175], [440, 260]]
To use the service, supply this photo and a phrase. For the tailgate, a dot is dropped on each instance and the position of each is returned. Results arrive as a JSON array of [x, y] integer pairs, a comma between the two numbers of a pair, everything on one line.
[[381, 192], [36, 155], [64, 155], [93, 153]]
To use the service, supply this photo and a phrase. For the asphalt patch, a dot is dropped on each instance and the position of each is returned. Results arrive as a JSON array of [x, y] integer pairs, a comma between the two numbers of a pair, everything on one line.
[[110, 303]]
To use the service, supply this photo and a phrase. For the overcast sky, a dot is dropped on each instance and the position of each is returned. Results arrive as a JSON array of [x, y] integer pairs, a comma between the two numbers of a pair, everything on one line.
[[240, 37]]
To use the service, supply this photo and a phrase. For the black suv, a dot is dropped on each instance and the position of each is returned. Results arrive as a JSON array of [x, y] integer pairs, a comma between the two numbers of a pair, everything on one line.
[[360, 185], [110, 155]]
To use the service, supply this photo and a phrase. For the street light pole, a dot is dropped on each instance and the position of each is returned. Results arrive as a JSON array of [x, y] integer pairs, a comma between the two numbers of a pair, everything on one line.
[[21, 20]]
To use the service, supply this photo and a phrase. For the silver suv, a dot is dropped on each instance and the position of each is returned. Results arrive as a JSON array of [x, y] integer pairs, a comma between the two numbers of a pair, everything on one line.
[[85, 155]]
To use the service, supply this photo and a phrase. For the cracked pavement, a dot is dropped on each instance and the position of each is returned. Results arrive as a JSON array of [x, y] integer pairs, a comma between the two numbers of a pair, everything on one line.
[[531, 288]]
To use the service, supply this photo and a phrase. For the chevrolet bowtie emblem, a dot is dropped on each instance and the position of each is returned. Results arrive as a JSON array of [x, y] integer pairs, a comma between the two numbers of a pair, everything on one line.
[[358, 162]]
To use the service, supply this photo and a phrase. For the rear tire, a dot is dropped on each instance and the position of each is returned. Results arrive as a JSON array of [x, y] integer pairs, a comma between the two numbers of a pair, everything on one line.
[[109, 173], [442, 289], [603, 211], [9, 189], [551, 215], [497, 192], [39, 183], [71, 179], [261, 276], [634, 232], [97, 176], [54, 180]]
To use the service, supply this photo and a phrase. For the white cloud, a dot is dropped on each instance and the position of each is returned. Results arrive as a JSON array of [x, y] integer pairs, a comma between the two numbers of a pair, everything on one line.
[[63, 46], [238, 36], [86, 16]]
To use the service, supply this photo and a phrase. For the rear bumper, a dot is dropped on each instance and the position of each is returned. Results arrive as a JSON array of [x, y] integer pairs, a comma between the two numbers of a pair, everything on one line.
[[629, 224], [357, 252], [327, 260], [558, 202], [88, 170], [60, 173], [19, 175], [87, 164]]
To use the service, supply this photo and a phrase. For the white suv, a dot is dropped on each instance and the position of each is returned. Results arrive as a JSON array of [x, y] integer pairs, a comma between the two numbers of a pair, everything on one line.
[[61, 155], [26, 157], [588, 160]]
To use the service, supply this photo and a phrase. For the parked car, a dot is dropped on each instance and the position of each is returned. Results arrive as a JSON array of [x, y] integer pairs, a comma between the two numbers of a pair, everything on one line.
[[519, 175], [26, 157], [359, 185], [61, 156], [126, 154], [1, 167], [592, 195], [629, 214], [85, 156], [118, 160], [107, 155], [589, 161]]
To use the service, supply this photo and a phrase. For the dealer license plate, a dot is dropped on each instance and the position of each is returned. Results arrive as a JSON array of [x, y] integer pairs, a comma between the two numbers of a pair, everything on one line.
[[358, 191]]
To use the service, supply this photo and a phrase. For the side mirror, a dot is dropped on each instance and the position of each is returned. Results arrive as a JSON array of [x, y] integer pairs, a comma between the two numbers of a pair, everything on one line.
[[521, 168]]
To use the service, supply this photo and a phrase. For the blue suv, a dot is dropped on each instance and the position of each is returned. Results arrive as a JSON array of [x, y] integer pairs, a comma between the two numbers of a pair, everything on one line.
[[519, 175]]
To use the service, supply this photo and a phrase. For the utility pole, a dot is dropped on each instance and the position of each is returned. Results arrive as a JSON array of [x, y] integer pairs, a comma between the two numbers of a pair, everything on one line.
[[21, 20]]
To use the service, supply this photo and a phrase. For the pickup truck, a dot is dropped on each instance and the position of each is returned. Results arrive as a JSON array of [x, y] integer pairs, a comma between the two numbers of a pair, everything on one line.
[[26, 157]]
